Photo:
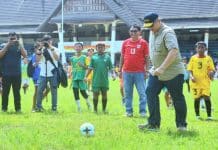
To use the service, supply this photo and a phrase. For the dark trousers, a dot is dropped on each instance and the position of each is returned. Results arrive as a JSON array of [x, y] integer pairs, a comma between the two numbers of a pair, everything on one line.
[[7, 82], [175, 88]]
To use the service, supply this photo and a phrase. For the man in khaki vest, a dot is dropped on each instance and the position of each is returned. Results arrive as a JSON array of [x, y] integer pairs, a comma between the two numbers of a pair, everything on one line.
[[167, 71]]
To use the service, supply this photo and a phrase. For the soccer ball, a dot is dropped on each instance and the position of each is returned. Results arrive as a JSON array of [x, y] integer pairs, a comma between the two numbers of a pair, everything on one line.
[[87, 129]]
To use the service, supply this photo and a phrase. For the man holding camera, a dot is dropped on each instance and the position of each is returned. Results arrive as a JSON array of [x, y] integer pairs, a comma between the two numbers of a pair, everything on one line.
[[45, 57], [10, 56]]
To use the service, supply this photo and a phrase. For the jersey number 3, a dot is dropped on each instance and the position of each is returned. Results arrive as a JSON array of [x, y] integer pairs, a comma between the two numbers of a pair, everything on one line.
[[199, 65]]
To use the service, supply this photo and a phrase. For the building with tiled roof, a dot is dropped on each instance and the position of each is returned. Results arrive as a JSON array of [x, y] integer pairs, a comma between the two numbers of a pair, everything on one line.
[[94, 20]]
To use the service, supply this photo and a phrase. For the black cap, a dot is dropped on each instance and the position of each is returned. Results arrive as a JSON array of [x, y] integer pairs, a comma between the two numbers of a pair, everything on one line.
[[149, 19], [46, 38]]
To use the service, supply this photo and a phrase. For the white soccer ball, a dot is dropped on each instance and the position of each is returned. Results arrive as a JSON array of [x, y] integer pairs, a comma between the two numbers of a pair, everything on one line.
[[87, 129]]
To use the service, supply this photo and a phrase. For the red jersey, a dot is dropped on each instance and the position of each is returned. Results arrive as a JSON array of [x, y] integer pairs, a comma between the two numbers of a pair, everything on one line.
[[134, 53]]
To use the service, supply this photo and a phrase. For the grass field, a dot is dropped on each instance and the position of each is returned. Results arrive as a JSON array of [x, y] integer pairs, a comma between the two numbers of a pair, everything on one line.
[[60, 131]]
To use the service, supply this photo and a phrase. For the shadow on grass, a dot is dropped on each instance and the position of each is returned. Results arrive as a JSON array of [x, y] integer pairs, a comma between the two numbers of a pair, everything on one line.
[[188, 133], [207, 120]]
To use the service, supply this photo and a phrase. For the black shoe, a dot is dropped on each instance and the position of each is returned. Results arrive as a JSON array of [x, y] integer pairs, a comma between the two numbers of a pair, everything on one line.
[[4, 110], [148, 127], [105, 112], [54, 109], [18, 111]]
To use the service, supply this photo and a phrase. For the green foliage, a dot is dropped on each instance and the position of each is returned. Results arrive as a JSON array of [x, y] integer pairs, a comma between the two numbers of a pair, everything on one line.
[[57, 131]]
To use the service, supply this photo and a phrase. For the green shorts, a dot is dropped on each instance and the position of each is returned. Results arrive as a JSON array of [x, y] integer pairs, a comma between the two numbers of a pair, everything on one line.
[[98, 89], [79, 84]]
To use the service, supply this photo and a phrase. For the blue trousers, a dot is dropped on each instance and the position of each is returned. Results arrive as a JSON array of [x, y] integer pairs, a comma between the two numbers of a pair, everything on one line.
[[42, 85], [129, 80]]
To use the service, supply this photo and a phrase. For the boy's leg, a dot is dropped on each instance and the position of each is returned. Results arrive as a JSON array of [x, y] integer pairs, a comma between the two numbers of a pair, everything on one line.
[[76, 97], [34, 98], [83, 88], [196, 106], [122, 91], [85, 95], [208, 105], [188, 85], [166, 96], [95, 100], [104, 100]]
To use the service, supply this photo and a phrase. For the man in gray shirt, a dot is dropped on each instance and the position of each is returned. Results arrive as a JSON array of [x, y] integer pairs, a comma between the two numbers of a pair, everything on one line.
[[167, 71]]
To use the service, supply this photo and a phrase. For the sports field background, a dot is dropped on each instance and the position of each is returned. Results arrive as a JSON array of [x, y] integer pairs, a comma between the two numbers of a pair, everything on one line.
[[58, 131]]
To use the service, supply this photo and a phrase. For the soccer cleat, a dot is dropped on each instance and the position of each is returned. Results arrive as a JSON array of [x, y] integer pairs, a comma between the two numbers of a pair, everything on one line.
[[18, 111], [105, 112], [4, 110], [54, 109], [89, 105], [209, 118], [181, 129], [148, 127], [198, 117], [79, 109]]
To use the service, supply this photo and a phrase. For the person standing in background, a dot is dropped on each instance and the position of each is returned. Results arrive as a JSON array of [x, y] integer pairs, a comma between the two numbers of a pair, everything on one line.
[[100, 65], [88, 60], [133, 68], [79, 67], [11, 70], [45, 57], [202, 70]]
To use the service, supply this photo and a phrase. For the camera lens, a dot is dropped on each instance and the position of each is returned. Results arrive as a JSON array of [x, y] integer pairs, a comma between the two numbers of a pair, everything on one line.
[[46, 45]]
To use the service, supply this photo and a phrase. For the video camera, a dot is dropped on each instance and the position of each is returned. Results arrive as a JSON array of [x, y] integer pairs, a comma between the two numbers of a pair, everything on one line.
[[45, 43]]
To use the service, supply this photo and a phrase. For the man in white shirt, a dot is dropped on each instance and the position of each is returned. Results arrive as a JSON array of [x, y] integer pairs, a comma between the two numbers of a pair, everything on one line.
[[48, 53]]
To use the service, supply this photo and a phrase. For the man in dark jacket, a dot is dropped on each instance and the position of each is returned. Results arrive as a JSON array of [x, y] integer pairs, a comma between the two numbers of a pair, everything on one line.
[[10, 56]]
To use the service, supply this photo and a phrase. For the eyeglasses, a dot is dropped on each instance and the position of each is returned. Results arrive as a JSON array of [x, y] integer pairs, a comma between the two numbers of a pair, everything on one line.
[[133, 31]]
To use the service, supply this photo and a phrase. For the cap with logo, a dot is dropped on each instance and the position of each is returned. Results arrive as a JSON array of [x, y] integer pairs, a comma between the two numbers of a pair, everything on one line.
[[149, 19]]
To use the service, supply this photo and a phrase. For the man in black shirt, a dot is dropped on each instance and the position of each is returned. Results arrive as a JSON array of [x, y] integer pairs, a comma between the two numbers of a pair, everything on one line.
[[10, 56]]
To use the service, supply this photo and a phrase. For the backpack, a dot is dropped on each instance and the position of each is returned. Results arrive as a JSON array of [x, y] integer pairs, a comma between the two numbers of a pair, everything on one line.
[[30, 69], [62, 75]]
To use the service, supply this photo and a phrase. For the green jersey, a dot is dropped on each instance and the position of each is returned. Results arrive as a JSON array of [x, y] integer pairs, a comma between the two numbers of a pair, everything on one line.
[[100, 64], [78, 72]]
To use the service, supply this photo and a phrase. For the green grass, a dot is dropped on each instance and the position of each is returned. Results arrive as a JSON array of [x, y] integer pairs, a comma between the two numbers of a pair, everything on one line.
[[60, 130]]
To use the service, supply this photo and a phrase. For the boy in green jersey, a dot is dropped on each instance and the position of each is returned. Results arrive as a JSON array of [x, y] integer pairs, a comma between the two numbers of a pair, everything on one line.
[[100, 64], [79, 67]]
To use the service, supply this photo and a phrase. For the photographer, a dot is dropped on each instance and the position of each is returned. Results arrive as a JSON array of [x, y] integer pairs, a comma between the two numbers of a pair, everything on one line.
[[10, 56], [45, 56]]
